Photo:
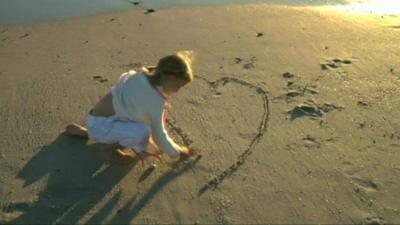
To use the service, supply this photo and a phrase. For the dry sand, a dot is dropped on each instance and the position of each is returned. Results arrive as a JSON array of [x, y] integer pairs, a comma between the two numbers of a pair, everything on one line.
[[310, 100]]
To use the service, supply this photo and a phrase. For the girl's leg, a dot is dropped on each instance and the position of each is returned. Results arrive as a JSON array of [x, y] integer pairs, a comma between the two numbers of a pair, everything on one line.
[[121, 152], [127, 155], [117, 152], [151, 151], [152, 147], [76, 130]]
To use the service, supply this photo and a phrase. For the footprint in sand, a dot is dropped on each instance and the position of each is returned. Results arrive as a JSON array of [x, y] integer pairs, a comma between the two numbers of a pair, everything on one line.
[[288, 75], [312, 110], [306, 110], [148, 11], [365, 184], [248, 64], [25, 35], [335, 63], [374, 221], [363, 103], [100, 79], [311, 142], [295, 89], [395, 72]]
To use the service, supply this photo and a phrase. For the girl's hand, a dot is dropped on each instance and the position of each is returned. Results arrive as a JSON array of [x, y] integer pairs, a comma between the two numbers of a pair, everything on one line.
[[187, 152]]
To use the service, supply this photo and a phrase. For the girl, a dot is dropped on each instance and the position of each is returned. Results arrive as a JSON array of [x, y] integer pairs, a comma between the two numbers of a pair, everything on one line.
[[132, 115]]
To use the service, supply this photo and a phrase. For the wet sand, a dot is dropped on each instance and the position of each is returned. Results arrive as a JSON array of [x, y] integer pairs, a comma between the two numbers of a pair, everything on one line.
[[296, 112]]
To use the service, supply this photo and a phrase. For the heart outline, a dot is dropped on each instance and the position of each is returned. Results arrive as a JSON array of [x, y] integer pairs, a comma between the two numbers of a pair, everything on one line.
[[261, 130]]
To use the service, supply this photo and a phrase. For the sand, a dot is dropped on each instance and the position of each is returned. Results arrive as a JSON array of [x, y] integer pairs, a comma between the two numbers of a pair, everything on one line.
[[296, 112]]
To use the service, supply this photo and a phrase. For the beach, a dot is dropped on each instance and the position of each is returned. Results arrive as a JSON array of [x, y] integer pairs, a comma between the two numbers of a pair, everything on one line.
[[296, 112]]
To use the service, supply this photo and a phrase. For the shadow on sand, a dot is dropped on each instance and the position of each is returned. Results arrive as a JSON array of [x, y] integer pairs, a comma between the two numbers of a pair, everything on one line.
[[131, 209], [77, 179]]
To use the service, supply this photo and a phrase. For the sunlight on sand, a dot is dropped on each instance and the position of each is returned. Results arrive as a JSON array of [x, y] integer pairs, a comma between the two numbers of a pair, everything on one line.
[[384, 12], [380, 7]]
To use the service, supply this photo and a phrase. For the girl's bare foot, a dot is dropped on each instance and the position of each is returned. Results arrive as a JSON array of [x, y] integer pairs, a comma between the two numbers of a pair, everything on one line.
[[128, 155], [125, 155], [76, 130]]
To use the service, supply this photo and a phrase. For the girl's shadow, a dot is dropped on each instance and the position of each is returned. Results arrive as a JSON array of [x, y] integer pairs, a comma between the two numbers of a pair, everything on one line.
[[75, 178]]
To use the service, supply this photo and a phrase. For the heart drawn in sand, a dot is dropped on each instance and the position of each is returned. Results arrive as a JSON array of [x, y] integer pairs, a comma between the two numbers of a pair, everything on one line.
[[228, 117]]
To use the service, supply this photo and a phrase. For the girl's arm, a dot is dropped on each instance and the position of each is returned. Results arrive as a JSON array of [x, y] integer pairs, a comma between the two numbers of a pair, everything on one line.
[[162, 139]]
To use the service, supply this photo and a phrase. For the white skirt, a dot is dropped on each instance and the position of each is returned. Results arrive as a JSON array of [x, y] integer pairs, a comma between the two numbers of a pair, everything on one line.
[[111, 130]]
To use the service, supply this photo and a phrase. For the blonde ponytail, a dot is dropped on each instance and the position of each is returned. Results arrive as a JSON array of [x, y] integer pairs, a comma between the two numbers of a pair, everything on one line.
[[178, 65]]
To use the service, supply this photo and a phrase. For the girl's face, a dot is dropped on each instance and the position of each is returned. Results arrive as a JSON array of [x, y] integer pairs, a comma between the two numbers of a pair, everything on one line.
[[173, 84]]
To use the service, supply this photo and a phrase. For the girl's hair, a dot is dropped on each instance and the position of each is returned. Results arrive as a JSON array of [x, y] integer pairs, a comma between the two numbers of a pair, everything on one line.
[[178, 65]]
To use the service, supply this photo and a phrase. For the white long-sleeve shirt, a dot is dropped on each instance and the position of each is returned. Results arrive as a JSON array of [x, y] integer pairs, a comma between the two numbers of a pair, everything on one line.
[[134, 98]]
